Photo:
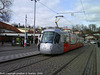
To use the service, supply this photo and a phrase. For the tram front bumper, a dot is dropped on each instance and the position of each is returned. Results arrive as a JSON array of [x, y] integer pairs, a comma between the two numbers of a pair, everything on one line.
[[45, 48]]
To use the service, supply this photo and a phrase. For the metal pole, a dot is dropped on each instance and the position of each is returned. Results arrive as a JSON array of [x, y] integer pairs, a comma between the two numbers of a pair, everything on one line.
[[34, 22], [25, 41]]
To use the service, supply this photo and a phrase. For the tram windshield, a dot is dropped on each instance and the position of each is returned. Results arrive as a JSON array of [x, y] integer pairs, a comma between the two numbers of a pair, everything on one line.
[[48, 37]]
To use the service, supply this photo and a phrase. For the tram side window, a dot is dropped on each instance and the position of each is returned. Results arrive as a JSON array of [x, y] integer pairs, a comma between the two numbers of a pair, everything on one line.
[[81, 41], [73, 40], [66, 39], [78, 40], [57, 38]]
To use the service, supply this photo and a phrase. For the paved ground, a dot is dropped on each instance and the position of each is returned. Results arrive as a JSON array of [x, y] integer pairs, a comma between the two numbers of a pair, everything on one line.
[[46, 65], [8, 52], [8, 46], [98, 61]]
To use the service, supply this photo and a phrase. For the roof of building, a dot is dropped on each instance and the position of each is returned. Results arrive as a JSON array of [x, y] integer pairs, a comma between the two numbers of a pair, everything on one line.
[[8, 27]]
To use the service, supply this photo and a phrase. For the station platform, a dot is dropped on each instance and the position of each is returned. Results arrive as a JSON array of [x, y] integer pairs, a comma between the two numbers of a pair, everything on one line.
[[17, 56], [19, 52]]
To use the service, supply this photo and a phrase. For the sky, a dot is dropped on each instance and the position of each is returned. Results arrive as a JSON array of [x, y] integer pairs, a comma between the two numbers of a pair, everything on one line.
[[74, 11]]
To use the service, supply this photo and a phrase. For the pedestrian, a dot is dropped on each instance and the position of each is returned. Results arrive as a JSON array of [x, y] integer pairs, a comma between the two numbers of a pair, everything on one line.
[[13, 42], [22, 42], [38, 45], [36, 41], [2, 42], [98, 43]]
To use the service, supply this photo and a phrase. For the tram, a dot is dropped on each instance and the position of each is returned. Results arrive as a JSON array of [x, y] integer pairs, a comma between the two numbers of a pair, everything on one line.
[[56, 41]]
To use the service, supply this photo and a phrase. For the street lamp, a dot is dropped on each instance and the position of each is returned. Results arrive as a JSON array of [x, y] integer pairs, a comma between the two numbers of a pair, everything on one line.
[[34, 20]]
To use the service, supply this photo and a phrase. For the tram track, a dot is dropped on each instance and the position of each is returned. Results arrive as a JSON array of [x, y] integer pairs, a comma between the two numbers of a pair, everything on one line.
[[90, 68], [35, 64], [57, 71], [86, 67], [49, 60], [12, 66], [61, 68], [29, 65]]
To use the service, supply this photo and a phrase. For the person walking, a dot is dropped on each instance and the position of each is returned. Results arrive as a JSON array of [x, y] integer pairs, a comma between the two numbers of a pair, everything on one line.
[[2, 42], [98, 43]]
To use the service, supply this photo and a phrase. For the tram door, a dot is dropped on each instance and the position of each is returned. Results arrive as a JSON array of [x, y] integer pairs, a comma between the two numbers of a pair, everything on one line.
[[57, 43], [66, 43], [69, 41]]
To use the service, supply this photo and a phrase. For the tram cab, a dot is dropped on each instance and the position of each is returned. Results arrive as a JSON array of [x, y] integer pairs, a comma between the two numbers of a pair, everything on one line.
[[51, 42]]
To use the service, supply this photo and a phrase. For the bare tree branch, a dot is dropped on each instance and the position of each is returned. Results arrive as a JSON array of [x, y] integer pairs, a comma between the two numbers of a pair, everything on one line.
[[2, 6], [5, 12]]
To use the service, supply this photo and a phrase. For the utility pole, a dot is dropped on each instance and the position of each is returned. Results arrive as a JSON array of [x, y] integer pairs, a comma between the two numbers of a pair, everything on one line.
[[25, 40], [34, 20]]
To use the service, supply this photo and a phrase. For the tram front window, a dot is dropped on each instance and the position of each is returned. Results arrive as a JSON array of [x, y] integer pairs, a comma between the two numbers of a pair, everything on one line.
[[47, 37]]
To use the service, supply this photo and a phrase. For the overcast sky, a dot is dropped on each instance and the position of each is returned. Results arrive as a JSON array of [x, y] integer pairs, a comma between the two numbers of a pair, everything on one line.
[[46, 17]]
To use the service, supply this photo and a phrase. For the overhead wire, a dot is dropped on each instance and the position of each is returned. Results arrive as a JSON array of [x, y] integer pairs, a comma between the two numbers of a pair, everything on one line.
[[50, 10], [48, 7], [54, 12], [83, 10], [28, 19], [67, 20]]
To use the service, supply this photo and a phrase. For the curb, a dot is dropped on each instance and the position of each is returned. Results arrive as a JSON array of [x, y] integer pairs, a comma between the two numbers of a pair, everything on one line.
[[5, 59]]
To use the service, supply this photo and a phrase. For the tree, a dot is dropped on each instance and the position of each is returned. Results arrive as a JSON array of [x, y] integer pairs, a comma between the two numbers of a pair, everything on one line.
[[98, 29], [77, 27], [92, 27], [15, 25], [5, 12]]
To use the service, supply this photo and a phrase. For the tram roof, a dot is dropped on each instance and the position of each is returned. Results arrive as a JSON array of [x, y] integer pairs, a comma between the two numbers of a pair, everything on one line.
[[54, 29]]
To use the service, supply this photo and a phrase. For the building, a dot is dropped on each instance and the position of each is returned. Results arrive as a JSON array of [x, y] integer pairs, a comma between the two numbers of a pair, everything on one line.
[[6, 28], [77, 32], [8, 32], [90, 37]]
